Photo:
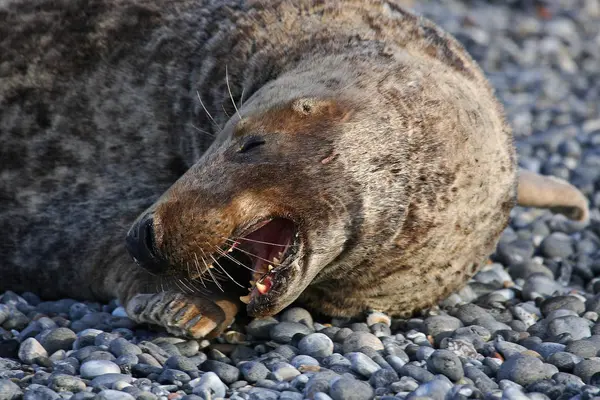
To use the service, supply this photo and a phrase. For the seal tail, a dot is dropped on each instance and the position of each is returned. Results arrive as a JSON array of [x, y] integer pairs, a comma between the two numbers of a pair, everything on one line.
[[535, 190]]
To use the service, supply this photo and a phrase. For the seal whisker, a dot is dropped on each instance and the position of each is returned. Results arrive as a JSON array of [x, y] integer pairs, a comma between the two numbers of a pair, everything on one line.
[[202, 131], [230, 277], [186, 286], [261, 242], [224, 254], [197, 264], [211, 273], [230, 95], [206, 111], [225, 111], [242, 97], [255, 256]]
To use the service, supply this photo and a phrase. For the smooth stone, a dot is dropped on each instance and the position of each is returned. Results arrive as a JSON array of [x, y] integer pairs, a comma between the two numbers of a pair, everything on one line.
[[524, 370], [362, 364], [94, 368], [316, 345], [437, 324], [121, 346], [564, 361], [303, 360], [210, 385], [405, 384], [577, 327], [9, 390], [109, 394], [562, 302], [299, 315], [109, 380], [284, 331], [260, 328], [226, 373], [170, 376], [61, 382], [58, 339], [436, 389], [357, 340], [557, 245], [254, 371], [31, 350], [446, 363], [586, 369], [284, 372], [346, 389], [38, 392], [181, 363]]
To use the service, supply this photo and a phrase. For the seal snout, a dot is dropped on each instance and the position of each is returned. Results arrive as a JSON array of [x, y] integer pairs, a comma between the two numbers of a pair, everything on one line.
[[141, 245]]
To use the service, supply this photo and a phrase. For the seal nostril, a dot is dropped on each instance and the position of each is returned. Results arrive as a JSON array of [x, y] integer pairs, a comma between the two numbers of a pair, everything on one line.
[[148, 237], [141, 245]]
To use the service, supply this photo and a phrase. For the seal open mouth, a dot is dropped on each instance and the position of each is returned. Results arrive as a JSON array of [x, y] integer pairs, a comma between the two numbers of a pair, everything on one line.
[[263, 253]]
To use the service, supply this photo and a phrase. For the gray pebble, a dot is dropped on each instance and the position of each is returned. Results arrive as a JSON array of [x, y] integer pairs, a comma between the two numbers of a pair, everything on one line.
[[61, 382], [110, 379], [297, 314], [284, 372], [260, 328], [316, 345], [562, 302], [287, 395], [226, 373], [94, 368], [170, 376], [284, 331], [121, 346], [58, 339], [346, 389], [435, 389], [525, 370], [254, 371], [437, 324], [405, 384], [262, 394], [362, 364], [109, 394], [446, 363], [564, 361], [31, 350], [357, 340], [577, 327], [38, 392], [557, 245], [9, 390], [210, 384], [586, 369], [303, 360]]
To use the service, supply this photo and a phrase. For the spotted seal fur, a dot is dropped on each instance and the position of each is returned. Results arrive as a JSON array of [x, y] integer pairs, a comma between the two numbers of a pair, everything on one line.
[[345, 154]]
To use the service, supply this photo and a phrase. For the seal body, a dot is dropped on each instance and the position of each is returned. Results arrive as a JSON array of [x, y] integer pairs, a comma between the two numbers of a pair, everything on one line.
[[206, 131]]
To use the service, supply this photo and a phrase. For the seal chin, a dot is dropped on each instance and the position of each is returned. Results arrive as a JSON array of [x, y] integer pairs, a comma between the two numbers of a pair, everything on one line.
[[271, 250]]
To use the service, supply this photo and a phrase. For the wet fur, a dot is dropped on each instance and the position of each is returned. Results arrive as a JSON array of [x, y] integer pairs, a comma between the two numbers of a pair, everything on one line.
[[99, 117]]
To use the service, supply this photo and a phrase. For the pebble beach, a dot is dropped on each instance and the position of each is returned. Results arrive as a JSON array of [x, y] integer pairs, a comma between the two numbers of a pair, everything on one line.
[[525, 327]]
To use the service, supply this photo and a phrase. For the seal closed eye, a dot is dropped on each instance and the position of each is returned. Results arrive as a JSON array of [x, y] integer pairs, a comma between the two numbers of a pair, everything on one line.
[[347, 155]]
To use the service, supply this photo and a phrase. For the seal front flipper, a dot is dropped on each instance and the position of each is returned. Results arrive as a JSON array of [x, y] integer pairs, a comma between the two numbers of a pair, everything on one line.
[[558, 195], [183, 314]]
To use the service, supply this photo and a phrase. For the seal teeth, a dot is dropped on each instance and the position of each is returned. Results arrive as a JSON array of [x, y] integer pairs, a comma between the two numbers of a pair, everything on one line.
[[245, 299], [262, 289], [270, 267]]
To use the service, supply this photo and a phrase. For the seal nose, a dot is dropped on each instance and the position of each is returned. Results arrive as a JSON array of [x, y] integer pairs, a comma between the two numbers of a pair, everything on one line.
[[141, 246]]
